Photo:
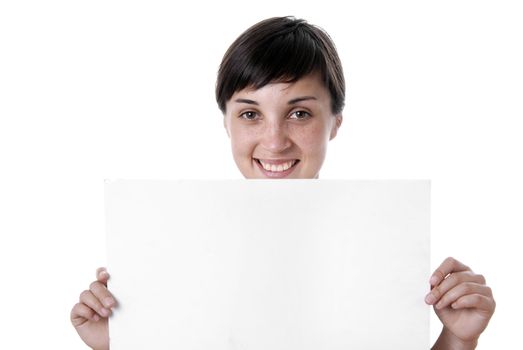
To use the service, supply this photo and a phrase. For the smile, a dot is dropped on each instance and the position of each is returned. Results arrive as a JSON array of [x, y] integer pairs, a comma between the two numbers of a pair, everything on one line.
[[277, 168]]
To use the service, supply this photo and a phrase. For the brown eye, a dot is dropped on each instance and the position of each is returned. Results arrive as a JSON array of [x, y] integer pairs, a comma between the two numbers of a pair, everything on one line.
[[300, 115], [249, 115]]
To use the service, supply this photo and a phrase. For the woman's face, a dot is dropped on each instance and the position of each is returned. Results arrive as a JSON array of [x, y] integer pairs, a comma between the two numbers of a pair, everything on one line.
[[281, 130]]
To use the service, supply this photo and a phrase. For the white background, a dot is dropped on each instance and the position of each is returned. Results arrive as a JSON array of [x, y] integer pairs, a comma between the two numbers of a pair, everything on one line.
[[101, 89]]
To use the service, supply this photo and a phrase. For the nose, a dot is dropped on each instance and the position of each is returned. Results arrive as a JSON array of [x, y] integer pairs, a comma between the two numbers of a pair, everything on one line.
[[275, 137]]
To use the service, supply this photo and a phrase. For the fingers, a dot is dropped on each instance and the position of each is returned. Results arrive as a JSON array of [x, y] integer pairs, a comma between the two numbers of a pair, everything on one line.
[[478, 301], [89, 299], [450, 282], [81, 313], [100, 291], [95, 303], [456, 285], [463, 289], [448, 266], [99, 288], [102, 275]]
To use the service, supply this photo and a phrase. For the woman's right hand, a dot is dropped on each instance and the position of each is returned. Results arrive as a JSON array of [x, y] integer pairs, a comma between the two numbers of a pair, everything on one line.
[[89, 316]]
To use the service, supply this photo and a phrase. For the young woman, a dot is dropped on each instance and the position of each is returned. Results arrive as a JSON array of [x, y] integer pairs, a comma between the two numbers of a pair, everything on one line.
[[281, 90]]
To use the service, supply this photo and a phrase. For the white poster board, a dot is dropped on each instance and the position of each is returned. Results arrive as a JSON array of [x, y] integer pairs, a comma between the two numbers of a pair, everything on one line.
[[268, 264]]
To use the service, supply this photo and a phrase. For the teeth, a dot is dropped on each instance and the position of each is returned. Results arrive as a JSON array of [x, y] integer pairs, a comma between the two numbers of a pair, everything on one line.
[[279, 167]]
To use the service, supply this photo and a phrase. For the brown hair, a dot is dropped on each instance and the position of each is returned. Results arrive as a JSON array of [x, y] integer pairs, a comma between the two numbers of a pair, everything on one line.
[[280, 49]]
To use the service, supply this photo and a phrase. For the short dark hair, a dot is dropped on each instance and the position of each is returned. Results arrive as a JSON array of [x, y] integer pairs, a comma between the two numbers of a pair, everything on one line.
[[280, 49]]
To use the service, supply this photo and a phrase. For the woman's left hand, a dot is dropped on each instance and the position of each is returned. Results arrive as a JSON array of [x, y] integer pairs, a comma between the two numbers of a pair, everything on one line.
[[461, 299]]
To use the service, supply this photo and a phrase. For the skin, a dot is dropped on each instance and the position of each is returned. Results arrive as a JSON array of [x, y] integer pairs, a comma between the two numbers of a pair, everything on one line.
[[262, 124], [272, 125]]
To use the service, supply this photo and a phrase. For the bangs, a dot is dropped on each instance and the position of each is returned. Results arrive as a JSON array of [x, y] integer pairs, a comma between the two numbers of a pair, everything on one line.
[[280, 50], [284, 56]]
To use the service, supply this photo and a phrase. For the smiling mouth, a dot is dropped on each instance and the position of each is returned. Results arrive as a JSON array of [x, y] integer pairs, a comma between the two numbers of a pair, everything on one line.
[[277, 166]]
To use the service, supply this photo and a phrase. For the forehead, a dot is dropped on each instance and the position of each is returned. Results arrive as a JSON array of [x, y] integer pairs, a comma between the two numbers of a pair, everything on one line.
[[310, 85]]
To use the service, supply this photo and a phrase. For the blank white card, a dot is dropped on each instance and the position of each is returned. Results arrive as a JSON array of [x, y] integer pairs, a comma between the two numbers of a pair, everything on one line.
[[268, 264]]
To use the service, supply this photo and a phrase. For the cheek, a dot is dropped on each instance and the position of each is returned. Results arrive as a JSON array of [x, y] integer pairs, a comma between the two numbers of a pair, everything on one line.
[[312, 138], [242, 141]]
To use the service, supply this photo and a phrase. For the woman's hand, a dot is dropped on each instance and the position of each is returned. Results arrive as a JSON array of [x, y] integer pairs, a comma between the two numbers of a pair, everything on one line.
[[463, 303], [89, 316]]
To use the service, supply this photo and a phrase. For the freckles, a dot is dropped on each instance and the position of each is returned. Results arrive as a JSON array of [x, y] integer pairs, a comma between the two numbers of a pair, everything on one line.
[[312, 135], [243, 140]]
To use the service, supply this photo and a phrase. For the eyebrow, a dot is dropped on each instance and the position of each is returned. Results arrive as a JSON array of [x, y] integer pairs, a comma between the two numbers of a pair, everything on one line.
[[299, 99], [244, 100], [291, 102]]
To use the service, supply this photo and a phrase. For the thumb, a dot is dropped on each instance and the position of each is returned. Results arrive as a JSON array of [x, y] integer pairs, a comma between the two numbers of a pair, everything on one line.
[[102, 275]]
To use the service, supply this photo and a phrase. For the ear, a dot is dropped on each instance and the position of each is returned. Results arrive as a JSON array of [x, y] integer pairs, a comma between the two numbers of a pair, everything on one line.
[[336, 125]]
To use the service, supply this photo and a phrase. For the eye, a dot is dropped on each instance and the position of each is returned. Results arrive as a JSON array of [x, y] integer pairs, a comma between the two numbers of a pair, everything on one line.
[[249, 115], [300, 115]]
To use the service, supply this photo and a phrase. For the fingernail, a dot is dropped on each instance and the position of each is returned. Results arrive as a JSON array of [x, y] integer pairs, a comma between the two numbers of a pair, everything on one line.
[[433, 280], [108, 301], [104, 312], [96, 318], [430, 299]]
